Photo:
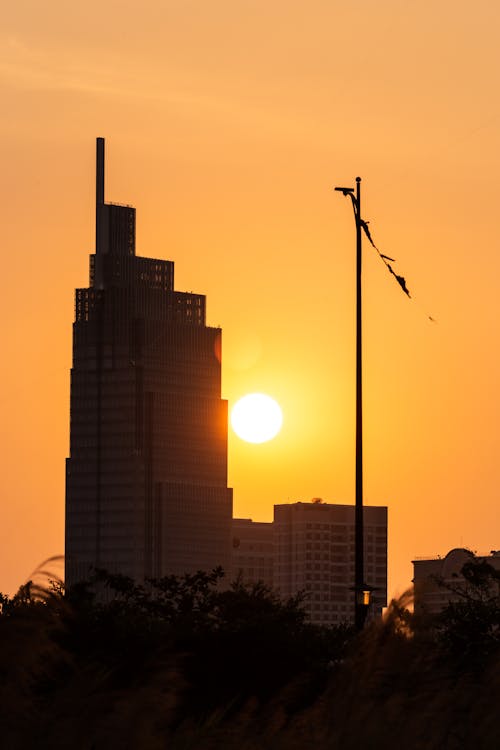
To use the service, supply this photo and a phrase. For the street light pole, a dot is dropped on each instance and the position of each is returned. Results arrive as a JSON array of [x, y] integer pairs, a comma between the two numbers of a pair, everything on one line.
[[361, 590], [360, 608]]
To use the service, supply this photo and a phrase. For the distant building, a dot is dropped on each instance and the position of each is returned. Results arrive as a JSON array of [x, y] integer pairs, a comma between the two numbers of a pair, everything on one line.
[[436, 580], [146, 479], [314, 553], [252, 551]]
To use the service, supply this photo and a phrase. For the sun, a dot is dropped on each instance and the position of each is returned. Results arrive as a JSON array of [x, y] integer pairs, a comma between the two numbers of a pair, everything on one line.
[[256, 418]]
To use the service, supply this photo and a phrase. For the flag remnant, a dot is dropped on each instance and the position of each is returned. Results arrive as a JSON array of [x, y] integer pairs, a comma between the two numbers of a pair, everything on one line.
[[385, 258]]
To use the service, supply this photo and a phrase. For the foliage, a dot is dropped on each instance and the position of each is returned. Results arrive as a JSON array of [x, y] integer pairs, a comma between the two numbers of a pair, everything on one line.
[[469, 627], [185, 662]]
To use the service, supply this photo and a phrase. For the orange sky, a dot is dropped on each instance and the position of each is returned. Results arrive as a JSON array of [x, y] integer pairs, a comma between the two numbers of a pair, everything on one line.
[[227, 124]]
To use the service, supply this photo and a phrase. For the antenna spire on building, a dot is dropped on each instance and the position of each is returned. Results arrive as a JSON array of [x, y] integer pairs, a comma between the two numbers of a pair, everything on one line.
[[99, 187], [99, 193]]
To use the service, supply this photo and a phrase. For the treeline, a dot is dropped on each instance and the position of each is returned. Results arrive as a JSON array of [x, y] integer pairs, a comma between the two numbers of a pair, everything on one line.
[[184, 662]]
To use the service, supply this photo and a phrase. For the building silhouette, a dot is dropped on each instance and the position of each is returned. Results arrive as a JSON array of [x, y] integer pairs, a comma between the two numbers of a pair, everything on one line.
[[252, 551], [309, 548], [314, 553], [437, 581], [146, 479]]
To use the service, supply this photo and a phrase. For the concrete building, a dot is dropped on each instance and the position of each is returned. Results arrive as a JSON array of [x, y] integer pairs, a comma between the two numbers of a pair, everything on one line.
[[437, 580], [146, 479], [314, 552], [252, 551]]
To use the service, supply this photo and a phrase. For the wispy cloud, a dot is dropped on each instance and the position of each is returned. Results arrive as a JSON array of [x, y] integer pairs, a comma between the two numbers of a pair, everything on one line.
[[192, 92]]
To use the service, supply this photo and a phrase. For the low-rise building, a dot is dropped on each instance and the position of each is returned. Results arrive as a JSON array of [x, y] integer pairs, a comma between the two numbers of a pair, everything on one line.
[[252, 551], [439, 580]]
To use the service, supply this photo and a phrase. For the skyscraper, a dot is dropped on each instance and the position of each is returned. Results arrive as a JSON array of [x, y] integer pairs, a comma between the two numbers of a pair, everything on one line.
[[146, 480]]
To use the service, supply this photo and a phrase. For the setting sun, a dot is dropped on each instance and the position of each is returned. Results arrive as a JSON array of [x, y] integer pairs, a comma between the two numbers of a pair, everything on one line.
[[256, 418]]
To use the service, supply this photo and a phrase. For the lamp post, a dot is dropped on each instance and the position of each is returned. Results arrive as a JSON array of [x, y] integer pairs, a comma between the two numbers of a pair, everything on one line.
[[361, 589]]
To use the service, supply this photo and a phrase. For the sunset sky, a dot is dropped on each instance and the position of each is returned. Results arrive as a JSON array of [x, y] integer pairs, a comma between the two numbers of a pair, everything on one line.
[[227, 124]]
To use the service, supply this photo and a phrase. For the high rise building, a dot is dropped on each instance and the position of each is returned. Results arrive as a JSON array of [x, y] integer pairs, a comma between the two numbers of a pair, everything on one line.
[[314, 553], [146, 479]]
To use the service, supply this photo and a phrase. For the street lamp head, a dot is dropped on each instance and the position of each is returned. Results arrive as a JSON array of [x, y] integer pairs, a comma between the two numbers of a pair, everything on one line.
[[345, 191], [364, 595]]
